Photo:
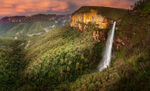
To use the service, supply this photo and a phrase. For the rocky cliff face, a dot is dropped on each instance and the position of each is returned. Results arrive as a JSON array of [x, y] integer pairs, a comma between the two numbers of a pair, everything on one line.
[[82, 19]]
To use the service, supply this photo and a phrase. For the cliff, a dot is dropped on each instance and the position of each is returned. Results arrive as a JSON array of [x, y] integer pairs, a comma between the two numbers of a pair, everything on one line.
[[102, 17], [89, 17]]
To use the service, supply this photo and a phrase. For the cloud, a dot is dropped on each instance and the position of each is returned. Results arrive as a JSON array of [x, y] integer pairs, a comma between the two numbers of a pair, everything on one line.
[[108, 3], [12, 7], [28, 7]]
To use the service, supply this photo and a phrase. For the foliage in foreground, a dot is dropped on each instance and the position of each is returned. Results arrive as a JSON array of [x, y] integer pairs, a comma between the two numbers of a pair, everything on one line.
[[11, 63]]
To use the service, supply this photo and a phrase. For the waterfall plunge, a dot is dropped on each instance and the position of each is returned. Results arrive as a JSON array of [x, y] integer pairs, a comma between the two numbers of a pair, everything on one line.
[[108, 50]]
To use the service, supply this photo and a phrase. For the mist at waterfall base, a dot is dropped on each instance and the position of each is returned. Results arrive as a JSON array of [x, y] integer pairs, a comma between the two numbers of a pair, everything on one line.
[[105, 62]]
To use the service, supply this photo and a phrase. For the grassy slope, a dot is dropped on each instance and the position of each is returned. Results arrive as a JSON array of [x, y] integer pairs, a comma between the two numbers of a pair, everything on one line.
[[60, 56]]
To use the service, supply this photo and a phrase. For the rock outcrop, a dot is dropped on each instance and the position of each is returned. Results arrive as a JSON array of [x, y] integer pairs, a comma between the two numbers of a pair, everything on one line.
[[80, 20], [120, 43], [99, 36]]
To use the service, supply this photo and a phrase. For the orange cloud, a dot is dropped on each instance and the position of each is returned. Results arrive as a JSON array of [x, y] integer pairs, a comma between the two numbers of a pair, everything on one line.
[[26, 7], [12, 7], [108, 3]]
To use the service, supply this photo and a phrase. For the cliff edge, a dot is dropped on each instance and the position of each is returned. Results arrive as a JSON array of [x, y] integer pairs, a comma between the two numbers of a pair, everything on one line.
[[101, 17]]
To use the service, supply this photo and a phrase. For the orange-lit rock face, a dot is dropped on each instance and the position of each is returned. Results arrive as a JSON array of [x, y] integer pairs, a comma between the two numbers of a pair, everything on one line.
[[91, 17]]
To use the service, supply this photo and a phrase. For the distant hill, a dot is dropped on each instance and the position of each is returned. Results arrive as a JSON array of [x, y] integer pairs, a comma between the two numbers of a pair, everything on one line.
[[28, 26]]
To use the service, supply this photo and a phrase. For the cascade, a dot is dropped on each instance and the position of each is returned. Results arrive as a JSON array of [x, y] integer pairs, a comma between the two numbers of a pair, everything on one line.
[[105, 62]]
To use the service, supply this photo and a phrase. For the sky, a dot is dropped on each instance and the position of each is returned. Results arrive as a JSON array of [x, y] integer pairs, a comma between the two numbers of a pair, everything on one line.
[[30, 7]]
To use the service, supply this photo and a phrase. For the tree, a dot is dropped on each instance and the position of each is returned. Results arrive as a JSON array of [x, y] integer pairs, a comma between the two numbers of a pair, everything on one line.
[[140, 4]]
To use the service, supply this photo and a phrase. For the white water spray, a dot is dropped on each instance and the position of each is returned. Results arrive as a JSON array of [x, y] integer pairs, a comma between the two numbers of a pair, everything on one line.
[[108, 50]]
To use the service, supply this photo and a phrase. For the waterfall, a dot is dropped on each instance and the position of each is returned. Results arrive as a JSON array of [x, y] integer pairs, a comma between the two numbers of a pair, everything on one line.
[[105, 62]]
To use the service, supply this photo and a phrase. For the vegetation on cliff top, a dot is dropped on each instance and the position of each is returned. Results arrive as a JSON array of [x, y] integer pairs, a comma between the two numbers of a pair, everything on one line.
[[110, 13]]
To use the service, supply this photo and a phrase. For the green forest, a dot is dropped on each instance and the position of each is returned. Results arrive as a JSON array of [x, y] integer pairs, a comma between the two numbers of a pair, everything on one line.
[[66, 59]]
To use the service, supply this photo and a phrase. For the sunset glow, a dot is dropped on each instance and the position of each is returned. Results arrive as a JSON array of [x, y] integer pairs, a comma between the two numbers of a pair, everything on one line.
[[29, 7]]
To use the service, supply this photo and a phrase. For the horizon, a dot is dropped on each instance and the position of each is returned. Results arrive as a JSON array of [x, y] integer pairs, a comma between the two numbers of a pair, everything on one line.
[[54, 13], [27, 8]]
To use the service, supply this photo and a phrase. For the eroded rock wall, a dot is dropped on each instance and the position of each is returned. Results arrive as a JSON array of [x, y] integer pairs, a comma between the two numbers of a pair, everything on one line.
[[90, 17]]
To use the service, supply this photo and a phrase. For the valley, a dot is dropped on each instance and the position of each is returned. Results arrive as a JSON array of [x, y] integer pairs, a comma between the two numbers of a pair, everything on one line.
[[63, 53]]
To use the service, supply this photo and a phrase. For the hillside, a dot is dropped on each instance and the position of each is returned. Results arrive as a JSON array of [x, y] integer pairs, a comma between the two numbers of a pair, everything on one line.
[[48, 58], [66, 58]]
